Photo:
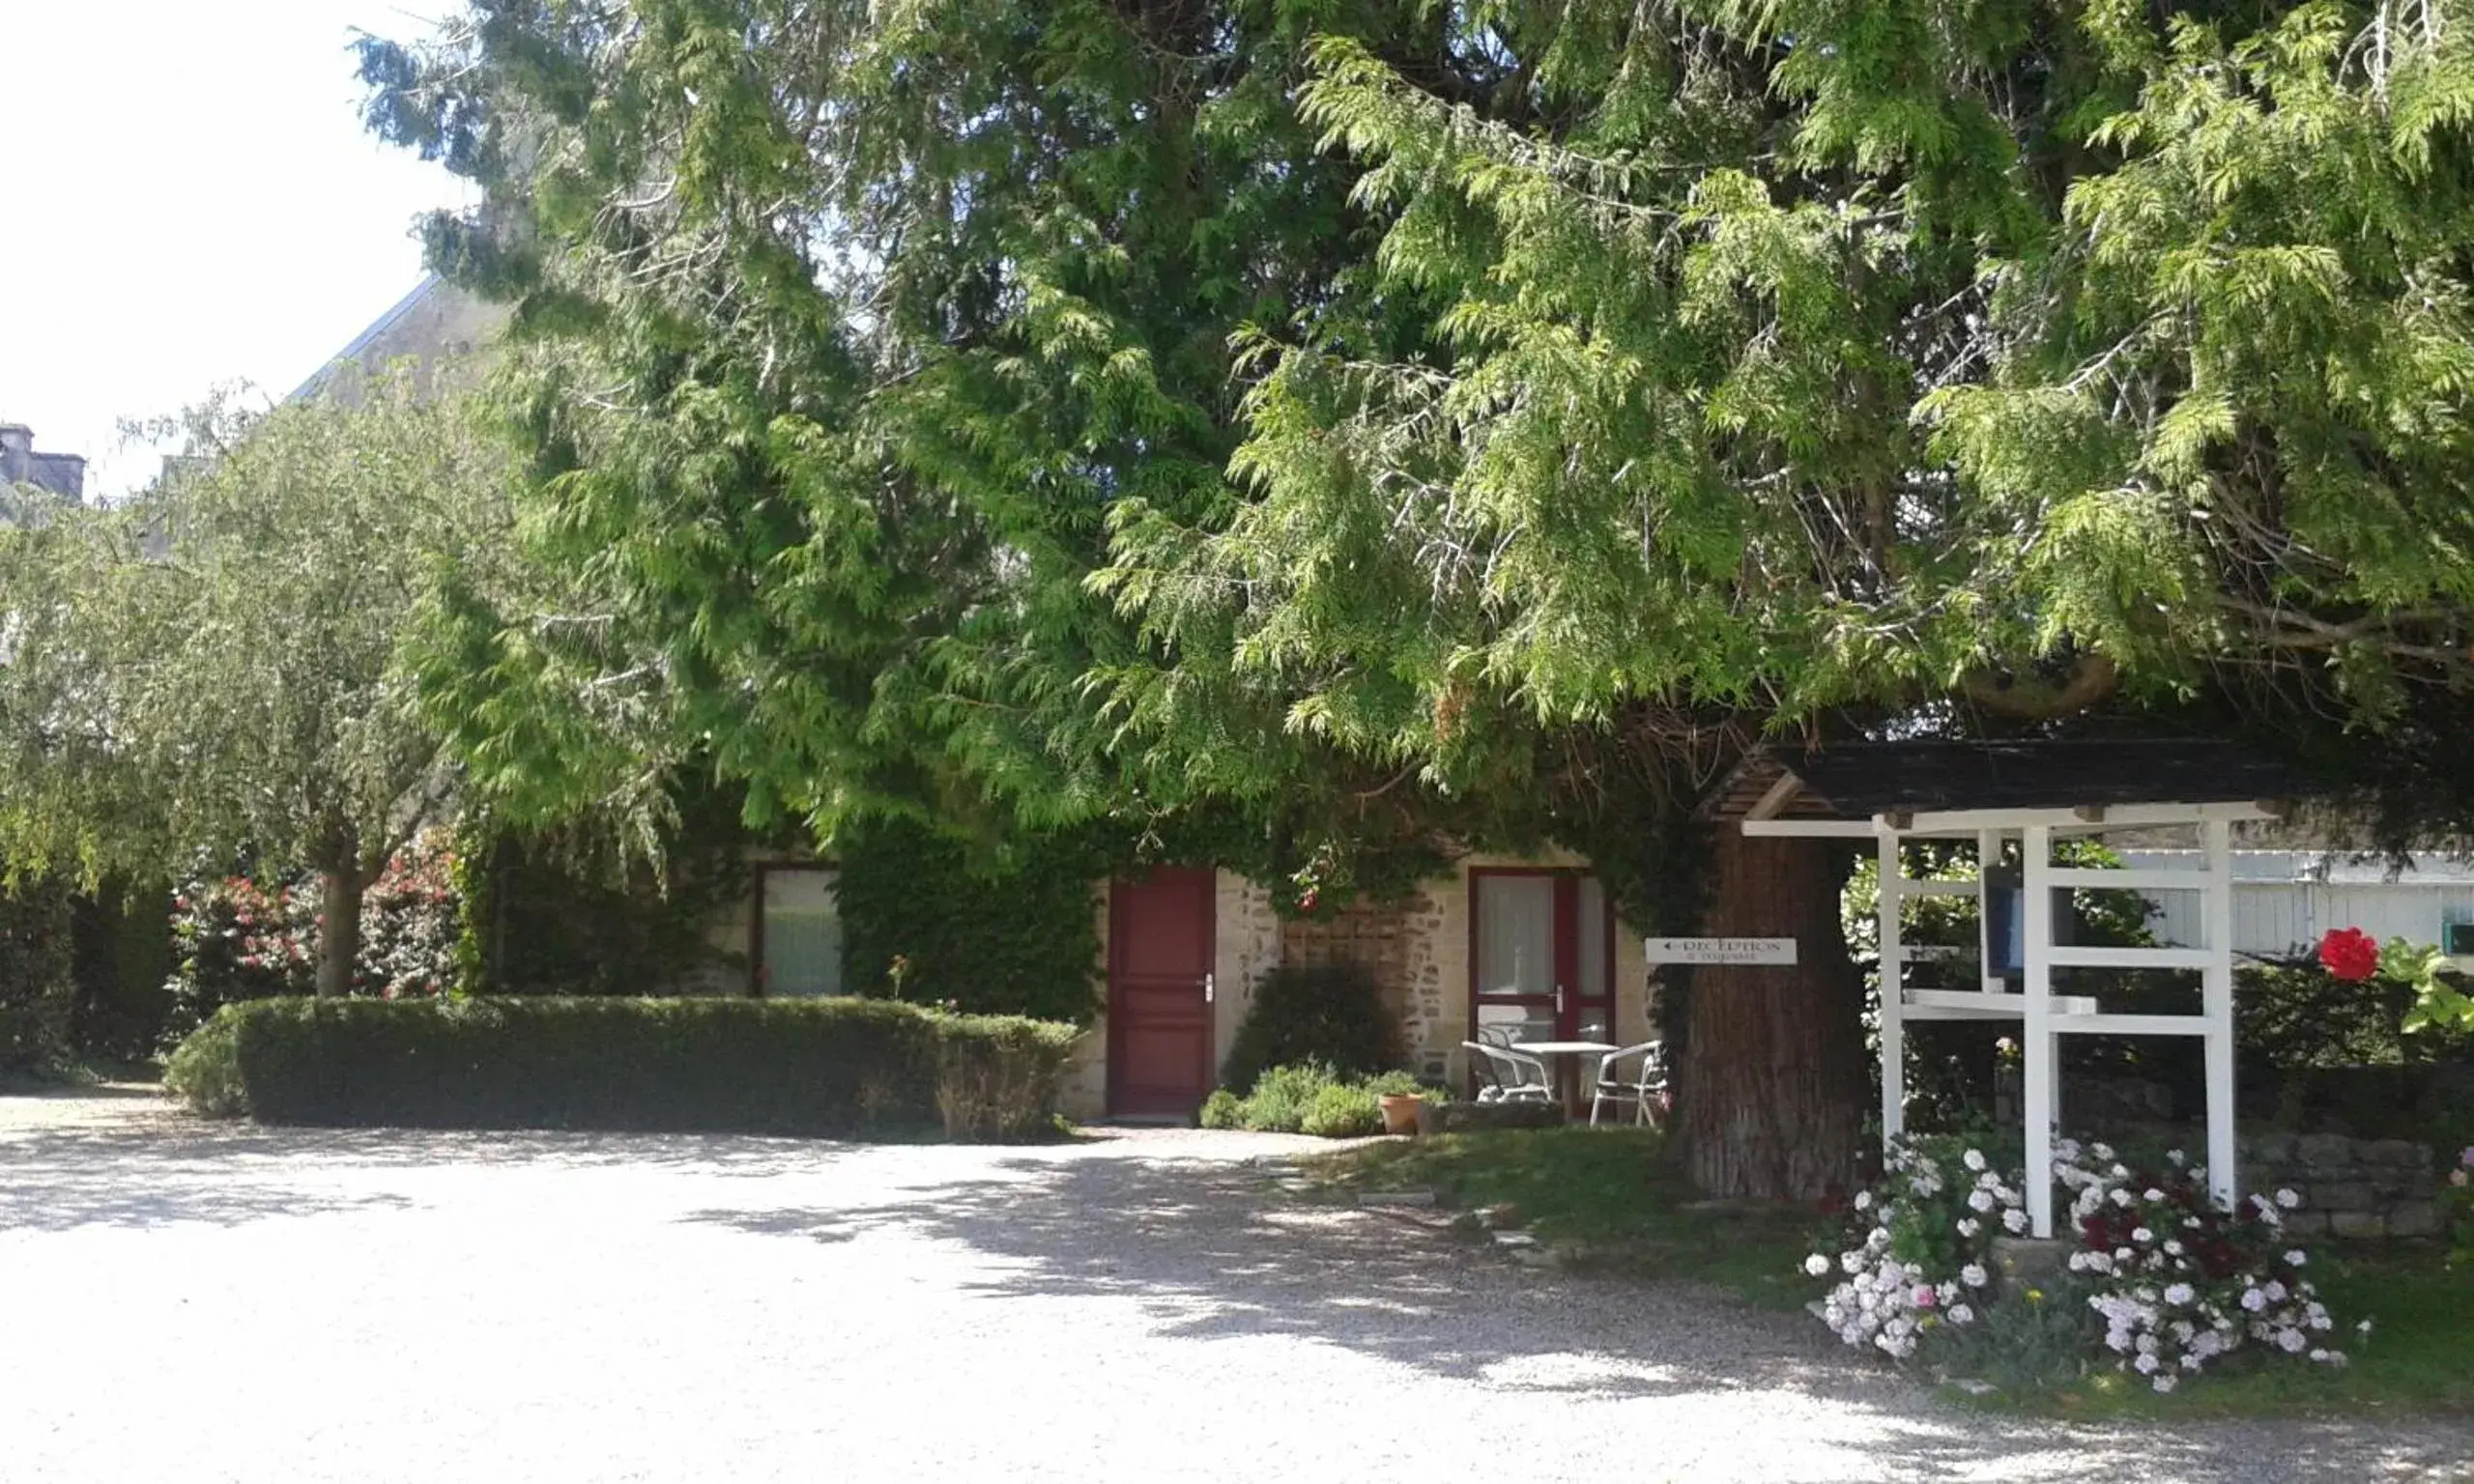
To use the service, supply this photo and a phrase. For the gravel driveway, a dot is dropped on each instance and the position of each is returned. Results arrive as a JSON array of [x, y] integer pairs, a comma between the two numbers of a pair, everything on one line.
[[193, 1302]]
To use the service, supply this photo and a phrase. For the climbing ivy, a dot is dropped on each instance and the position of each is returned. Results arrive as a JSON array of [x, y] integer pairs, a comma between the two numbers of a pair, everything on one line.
[[935, 919]]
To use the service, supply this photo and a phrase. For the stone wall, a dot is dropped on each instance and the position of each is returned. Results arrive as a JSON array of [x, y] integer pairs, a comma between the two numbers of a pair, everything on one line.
[[1083, 1093], [2349, 1187], [1246, 940], [1417, 950], [1372, 938]]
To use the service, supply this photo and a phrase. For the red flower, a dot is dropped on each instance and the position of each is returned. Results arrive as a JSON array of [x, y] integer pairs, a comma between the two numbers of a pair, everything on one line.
[[2349, 953]]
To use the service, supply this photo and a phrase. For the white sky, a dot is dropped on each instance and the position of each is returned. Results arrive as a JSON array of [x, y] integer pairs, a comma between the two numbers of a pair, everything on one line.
[[187, 198]]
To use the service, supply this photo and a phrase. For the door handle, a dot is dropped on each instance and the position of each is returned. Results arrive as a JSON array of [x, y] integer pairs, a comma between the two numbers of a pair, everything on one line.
[[1208, 988], [1559, 999]]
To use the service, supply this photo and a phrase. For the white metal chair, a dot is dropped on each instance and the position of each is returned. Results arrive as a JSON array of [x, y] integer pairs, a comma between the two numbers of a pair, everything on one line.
[[1645, 1091], [1507, 1075]]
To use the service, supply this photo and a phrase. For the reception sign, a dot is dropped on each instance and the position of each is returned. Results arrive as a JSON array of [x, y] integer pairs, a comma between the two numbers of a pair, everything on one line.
[[1730, 951]]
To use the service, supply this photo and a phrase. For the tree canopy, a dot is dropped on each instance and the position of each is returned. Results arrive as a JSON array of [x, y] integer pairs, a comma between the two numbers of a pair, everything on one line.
[[1367, 424], [224, 666], [1086, 408]]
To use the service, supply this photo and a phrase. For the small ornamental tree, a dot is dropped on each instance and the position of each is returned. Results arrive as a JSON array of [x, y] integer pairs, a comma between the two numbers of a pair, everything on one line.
[[221, 666]]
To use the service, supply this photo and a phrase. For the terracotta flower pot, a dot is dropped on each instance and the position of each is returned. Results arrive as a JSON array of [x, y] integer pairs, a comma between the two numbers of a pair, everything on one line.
[[1400, 1112]]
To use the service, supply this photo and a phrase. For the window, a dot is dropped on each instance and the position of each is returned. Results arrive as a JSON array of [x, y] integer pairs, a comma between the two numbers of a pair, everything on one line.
[[798, 931]]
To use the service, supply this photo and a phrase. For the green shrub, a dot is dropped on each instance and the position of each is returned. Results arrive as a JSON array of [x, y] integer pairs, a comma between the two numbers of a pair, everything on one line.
[[1282, 1096], [37, 991], [1343, 1111], [1334, 1015], [996, 1075], [795, 1066], [1308, 1098], [1222, 1109]]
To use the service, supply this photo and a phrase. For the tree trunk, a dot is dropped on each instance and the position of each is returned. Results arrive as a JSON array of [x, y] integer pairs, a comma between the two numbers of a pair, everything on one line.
[[1770, 1096], [338, 927]]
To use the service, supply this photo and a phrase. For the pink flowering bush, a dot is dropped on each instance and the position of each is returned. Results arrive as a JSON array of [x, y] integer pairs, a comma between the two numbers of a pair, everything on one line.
[[235, 938], [2163, 1284], [1917, 1262], [2181, 1284], [410, 917]]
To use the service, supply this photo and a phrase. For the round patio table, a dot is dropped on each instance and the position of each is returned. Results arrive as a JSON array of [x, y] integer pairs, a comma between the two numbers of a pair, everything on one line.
[[1567, 1073]]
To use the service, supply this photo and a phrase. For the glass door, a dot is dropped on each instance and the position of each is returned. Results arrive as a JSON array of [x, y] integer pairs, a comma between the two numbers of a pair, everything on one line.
[[1541, 959], [798, 933], [1516, 977]]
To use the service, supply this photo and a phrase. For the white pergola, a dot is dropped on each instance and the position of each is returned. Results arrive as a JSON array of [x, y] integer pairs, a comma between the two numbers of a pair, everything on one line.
[[2043, 1016]]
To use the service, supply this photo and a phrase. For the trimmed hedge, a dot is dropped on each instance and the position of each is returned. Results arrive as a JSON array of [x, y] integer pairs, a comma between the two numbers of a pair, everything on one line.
[[790, 1067]]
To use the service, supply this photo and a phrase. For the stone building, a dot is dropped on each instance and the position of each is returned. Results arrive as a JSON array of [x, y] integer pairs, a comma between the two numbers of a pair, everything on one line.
[[21, 463]]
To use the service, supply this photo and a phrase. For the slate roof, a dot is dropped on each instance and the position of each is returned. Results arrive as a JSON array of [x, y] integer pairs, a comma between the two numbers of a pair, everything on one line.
[[1859, 780]]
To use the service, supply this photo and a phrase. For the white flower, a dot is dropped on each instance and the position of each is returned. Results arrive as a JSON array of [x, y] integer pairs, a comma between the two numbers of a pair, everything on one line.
[[2180, 1294], [2079, 1261], [2122, 1198], [1851, 1263], [2145, 1365], [2275, 1291], [2153, 1195], [2295, 1257], [1974, 1160], [1817, 1265], [1864, 1200], [2165, 1383], [1972, 1275], [2288, 1199], [2291, 1342], [2253, 1301], [1969, 1226], [2143, 1235], [2363, 1329], [2174, 1156], [2014, 1220], [2174, 1246], [2100, 1151], [1980, 1199]]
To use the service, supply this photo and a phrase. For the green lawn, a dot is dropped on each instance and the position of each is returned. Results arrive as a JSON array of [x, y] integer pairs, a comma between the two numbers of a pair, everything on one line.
[[1609, 1189], [2419, 1359], [1613, 1191]]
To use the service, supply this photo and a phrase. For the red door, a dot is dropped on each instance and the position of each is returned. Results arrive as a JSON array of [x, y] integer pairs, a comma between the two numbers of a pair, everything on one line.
[[1159, 948]]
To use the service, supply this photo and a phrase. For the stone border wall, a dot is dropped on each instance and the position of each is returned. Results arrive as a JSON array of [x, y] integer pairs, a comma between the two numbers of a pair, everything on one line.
[[2349, 1187]]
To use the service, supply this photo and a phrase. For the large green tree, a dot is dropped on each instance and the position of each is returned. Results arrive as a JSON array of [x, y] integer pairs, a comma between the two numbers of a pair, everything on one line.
[[1390, 419], [222, 668]]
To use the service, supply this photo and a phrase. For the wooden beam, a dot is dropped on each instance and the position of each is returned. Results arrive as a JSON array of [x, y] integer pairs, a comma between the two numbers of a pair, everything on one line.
[[2117, 816], [1781, 793], [2094, 813], [1810, 829]]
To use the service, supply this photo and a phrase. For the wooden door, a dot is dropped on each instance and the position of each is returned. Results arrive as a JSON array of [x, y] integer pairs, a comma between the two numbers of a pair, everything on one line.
[[1159, 957]]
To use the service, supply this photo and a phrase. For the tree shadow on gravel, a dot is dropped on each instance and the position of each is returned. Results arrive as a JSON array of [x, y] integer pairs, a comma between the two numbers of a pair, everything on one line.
[[170, 1168], [1215, 1250]]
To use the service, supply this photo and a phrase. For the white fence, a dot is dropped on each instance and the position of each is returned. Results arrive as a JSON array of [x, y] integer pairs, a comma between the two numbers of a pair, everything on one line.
[[2285, 900]]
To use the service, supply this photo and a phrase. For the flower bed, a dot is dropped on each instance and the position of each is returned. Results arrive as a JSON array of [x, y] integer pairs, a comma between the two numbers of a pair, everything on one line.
[[2161, 1284]]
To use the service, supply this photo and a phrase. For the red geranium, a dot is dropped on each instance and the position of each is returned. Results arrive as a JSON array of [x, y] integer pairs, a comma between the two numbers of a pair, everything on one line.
[[2349, 953]]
